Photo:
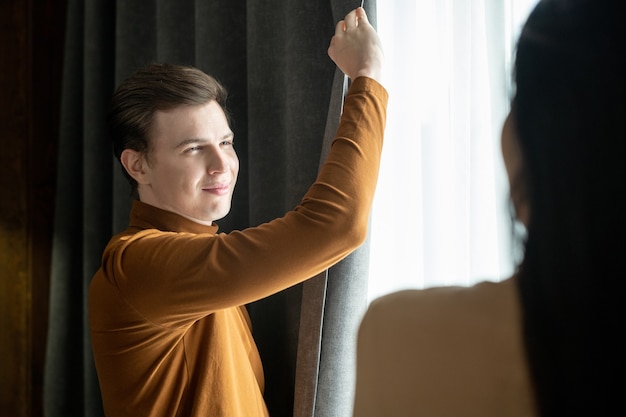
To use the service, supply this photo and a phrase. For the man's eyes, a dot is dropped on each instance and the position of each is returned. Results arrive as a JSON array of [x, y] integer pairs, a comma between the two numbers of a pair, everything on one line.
[[223, 144], [192, 149]]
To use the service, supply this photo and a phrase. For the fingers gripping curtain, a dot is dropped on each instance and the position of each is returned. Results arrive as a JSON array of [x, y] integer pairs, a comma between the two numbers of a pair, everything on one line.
[[272, 58]]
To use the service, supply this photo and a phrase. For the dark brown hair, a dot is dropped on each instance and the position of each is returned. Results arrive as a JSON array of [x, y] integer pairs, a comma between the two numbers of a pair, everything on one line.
[[569, 110]]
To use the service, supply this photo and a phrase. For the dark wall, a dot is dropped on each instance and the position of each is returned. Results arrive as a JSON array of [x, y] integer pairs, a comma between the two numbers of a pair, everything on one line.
[[31, 55]]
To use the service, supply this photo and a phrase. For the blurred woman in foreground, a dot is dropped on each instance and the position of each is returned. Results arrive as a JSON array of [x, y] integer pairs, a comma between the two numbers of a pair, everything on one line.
[[545, 341]]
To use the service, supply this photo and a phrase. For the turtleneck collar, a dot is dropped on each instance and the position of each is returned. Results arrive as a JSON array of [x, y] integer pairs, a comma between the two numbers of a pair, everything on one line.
[[145, 216]]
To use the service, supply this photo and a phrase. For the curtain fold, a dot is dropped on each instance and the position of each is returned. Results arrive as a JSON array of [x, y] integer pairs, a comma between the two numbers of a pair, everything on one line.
[[271, 56], [70, 383], [344, 304], [314, 290]]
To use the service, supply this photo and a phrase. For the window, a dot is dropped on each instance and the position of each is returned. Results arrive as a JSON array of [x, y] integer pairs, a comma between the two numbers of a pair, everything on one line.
[[441, 213]]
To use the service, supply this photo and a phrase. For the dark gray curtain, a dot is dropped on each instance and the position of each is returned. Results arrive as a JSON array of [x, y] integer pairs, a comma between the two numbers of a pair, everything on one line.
[[285, 97]]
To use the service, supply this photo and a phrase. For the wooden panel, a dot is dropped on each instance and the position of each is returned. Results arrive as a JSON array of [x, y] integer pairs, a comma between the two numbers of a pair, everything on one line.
[[30, 74], [14, 245]]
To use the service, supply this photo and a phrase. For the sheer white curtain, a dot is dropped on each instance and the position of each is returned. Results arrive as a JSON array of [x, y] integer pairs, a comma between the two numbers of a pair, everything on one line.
[[440, 215]]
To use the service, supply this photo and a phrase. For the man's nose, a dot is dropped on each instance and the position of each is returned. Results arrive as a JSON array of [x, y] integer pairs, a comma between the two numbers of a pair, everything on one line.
[[217, 161]]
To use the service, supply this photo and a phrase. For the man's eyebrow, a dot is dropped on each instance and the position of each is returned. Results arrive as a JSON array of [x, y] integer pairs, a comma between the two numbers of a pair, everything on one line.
[[190, 141]]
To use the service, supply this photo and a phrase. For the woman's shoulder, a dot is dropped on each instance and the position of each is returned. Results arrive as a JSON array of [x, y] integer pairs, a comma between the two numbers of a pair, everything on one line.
[[453, 303], [444, 319], [450, 348]]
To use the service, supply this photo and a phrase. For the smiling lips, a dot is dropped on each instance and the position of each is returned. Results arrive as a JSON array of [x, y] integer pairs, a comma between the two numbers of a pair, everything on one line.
[[217, 189]]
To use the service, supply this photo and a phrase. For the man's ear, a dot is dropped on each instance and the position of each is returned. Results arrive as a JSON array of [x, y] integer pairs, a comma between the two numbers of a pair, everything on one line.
[[134, 163]]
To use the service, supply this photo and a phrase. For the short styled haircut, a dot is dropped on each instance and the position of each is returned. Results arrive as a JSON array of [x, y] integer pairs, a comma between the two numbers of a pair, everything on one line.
[[157, 86]]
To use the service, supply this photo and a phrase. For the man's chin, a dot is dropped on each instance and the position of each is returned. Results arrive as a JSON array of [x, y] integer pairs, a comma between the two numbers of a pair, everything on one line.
[[218, 215]]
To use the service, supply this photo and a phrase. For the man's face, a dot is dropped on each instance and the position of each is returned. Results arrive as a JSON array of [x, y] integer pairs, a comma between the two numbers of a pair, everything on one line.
[[192, 166]]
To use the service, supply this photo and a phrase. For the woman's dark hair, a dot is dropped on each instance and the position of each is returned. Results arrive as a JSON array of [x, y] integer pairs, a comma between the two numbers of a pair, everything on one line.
[[570, 117], [156, 87]]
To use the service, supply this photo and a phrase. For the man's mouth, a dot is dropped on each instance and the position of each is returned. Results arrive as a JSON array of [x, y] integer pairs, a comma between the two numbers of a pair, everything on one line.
[[217, 189]]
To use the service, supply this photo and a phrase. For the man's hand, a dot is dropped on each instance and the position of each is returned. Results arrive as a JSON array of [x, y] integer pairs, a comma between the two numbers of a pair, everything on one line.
[[356, 47]]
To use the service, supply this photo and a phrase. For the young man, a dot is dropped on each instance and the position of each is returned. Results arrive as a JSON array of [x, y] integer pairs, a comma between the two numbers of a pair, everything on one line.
[[170, 332]]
